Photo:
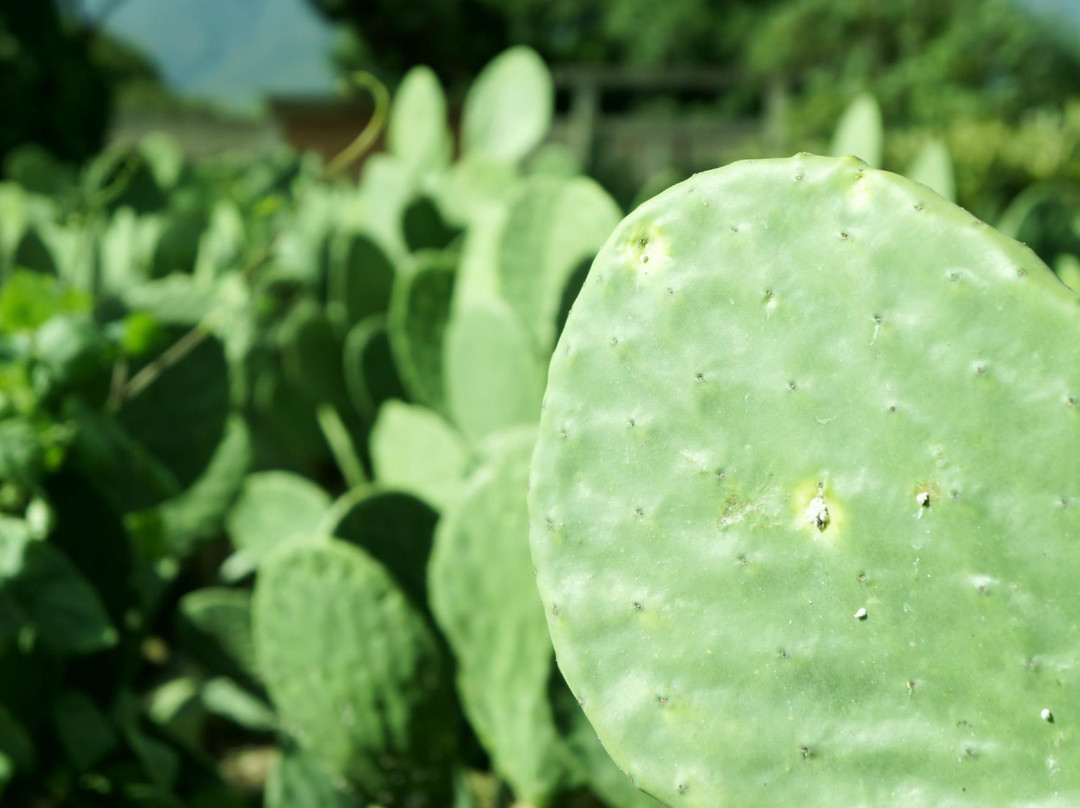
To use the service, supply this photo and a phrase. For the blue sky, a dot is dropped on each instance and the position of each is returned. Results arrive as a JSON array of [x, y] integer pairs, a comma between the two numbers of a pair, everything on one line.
[[230, 51], [235, 51]]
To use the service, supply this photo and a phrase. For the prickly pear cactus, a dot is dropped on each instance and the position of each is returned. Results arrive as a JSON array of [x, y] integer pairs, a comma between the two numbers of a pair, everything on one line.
[[483, 597], [354, 672], [416, 322], [805, 504]]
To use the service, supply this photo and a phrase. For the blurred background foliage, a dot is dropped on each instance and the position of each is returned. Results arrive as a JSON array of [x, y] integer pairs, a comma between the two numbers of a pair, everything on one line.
[[992, 77], [206, 354]]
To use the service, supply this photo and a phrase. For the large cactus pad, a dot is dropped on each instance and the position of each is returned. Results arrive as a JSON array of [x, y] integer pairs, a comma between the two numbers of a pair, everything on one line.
[[805, 505]]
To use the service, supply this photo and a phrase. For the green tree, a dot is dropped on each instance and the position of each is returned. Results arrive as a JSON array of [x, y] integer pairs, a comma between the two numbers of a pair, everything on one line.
[[456, 37], [926, 60], [59, 74]]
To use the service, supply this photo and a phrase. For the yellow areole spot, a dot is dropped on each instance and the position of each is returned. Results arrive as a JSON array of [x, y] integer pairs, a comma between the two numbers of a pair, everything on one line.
[[645, 252], [804, 495]]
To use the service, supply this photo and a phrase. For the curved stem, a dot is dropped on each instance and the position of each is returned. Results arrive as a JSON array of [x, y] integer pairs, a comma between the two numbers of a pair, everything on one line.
[[370, 133]]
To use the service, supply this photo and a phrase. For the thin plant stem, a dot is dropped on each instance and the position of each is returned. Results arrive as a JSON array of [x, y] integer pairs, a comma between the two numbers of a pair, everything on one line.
[[201, 331]]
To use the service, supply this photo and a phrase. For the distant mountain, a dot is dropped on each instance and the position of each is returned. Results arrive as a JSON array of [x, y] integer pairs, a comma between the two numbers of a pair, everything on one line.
[[229, 51]]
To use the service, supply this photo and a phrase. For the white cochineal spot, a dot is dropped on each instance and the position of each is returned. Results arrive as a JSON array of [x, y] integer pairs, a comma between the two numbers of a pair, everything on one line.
[[817, 512]]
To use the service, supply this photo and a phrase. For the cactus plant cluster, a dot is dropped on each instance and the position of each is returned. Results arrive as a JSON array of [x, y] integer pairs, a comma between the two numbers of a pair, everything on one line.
[[316, 401], [266, 438]]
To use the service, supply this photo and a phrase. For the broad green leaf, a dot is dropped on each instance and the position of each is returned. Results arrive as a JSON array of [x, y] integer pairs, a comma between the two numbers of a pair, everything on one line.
[[35, 169], [494, 377], [590, 763], [394, 528], [223, 697], [29, 299], [126, 250], [33, 252], [298, 780], [199, 512], [386, 186], [63, 610], [160, 762], [275, 507], [508, 109], [478, 280], [176, 299], [360, 279], [483, 596], [553, 226], [88, 531], [1067, 268], [16, 743], [85, 733], [175, 424], [20, 451], [414, 450], [471, 187], [859, 131], [370, 373], [417, 132], [416, 323], [164, 156], [215, 629], [222, 243], [69, 348], [311, 354], [933, 167]]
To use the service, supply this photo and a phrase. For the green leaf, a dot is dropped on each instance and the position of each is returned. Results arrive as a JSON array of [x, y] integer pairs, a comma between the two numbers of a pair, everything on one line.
[[16, 743], [552, 227], [91, 536], [199, 512], [29, 299], [65, 612], [1067, 268], [69, 348], [36, 170], [590, 763], [311, 354], [395, 528], [933, 167], [484, 597], [508, 109], [85, 733], [354, 671], [414, 450], [360, 280], [416, 322], [20, 451], [34, 253], [215, 629], [494, 377], [298, 780], [176, 299], [275, 507], [171, 430], [223, 697], [417, 132], [370, 373], [159, 760], [859, 131]]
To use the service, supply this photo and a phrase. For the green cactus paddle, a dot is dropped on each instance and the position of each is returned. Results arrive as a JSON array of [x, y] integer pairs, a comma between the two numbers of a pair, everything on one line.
[[805, 503], [354, 672]]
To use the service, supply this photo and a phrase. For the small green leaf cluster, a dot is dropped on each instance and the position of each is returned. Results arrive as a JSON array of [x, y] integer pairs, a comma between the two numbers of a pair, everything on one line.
[[264, 440]]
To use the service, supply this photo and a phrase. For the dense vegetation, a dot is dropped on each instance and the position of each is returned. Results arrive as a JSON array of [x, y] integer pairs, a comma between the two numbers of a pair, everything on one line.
[[263, 429]]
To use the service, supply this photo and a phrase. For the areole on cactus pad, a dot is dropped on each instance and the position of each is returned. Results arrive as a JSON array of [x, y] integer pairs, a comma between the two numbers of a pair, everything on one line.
[[805, 503]]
